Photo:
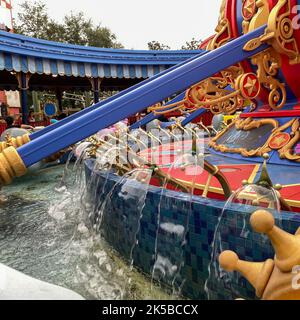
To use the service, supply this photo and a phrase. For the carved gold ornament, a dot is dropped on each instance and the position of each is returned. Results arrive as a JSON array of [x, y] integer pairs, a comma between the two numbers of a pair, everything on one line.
[[213, 93], [279, 32], [249, 9], [279, 140], [255, 14], [274, 279], [249, 86], [15, 142], [11, 165], [245, 125], [287, 152], [268, 64], [223, 30]]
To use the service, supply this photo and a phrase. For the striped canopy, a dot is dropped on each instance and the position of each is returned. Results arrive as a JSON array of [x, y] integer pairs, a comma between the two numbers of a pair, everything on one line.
[[35, 56], [17, 63]]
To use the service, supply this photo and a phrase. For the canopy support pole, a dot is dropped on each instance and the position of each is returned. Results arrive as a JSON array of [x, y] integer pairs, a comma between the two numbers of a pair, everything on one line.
[[96, 82], [59, 99], [23, 80]]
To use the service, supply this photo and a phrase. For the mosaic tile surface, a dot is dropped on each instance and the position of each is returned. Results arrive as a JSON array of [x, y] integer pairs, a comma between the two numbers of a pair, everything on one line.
[[135, 234]]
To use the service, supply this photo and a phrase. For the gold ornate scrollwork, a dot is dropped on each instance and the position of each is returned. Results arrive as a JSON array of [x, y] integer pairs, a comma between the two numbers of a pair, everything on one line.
[[287, 152], [222, 36], [278, 140], [280, 25], [268, 64], [213, 93], [245, 125], [255, 14], [279, 33], [223, 31]]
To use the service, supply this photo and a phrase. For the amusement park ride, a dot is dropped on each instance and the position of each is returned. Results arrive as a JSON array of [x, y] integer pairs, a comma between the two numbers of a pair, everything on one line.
[[251, 65]]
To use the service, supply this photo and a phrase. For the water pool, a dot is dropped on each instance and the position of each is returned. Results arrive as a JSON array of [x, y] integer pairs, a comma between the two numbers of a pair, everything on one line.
[[43, 233]]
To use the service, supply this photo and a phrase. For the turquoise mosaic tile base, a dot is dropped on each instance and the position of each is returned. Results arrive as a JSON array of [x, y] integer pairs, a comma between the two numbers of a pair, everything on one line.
[[135, 235]]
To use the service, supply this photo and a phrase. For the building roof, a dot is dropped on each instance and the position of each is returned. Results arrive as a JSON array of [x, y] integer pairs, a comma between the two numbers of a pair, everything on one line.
[[30, 55]]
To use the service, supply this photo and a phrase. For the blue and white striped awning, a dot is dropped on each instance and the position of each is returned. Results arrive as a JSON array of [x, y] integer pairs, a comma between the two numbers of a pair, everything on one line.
[[35, 56], [17, 63]]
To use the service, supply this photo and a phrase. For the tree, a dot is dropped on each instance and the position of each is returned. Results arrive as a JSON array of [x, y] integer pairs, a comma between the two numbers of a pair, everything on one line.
[[155, 45], [189, 45], [75, 27], [102, 37], [192, 45], [33, 20]]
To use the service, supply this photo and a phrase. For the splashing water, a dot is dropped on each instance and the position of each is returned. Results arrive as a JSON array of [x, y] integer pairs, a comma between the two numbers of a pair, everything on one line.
[[171, 235], [45, 233], [233, 222], [126, 227]]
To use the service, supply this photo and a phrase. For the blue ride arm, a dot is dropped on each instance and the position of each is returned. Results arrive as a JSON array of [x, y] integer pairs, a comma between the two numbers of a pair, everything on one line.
[[147, 94], [152, 116], [166, 125], [193, 116]]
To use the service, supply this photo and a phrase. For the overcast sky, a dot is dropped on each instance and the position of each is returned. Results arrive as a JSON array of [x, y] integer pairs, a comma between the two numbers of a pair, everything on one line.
[[136, 22]]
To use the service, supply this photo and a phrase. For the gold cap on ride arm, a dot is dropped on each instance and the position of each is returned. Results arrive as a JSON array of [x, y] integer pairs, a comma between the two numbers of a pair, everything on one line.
[[11, 165], [273, 280], [14, 142]]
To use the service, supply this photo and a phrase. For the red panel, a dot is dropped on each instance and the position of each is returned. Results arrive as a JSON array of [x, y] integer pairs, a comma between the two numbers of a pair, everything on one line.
[[12, 111], [235, 174], [2, 127], [3, 97], [272, 114], [206, 119], [231, 15], [206, 42], [39, 123]]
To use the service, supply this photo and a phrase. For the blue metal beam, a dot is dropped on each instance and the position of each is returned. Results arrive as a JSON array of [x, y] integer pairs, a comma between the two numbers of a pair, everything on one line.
[[135, 100], [152, 116], [193, 116], [76, 115]]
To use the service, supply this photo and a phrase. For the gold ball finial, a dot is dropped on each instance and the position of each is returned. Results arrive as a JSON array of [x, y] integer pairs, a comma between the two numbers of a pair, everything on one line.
[[266, 156], [228, 260], [262, 221], [245, 182], [278, 187]]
